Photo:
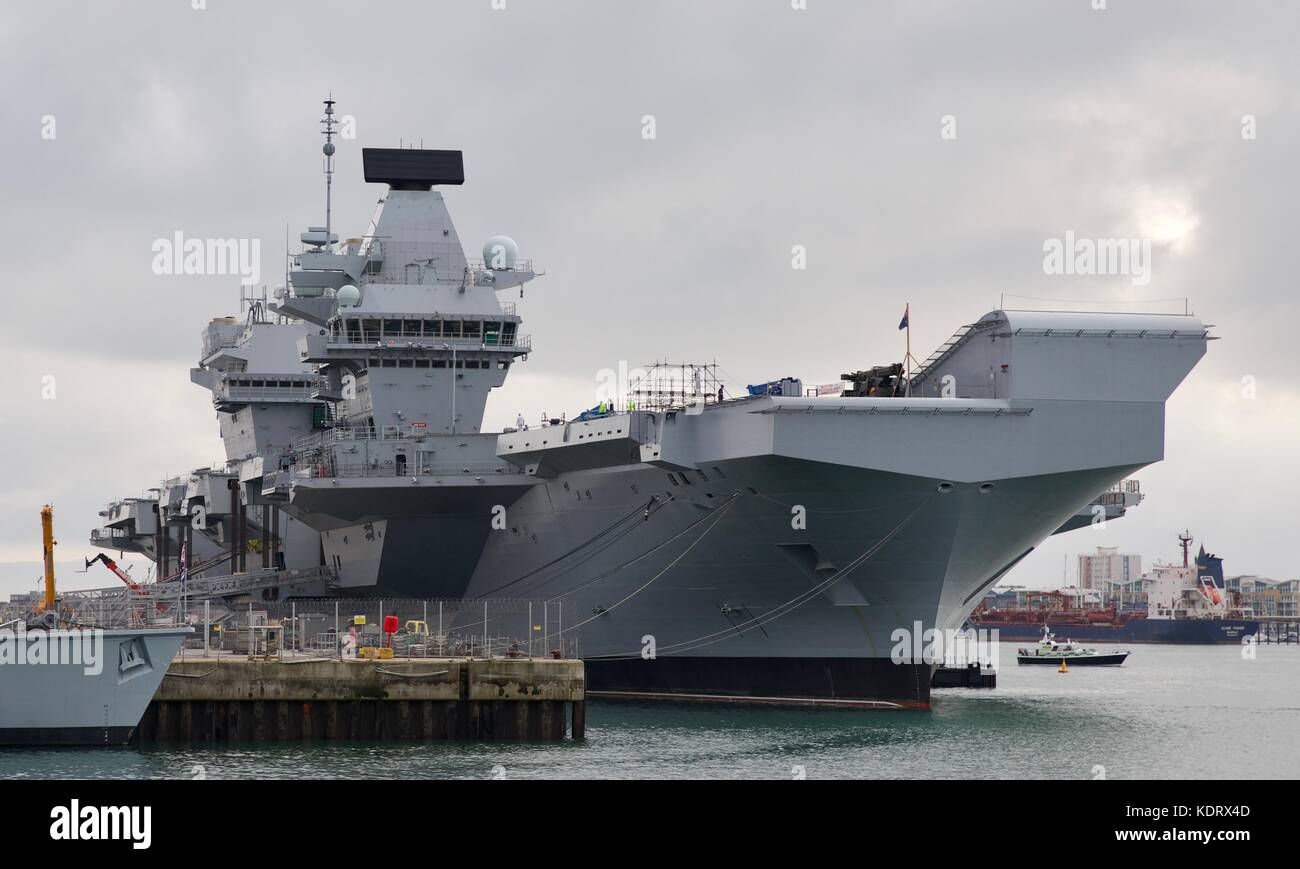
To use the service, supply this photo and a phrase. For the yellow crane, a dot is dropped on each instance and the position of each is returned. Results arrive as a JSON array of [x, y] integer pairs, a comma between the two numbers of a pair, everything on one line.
[[48, 541]]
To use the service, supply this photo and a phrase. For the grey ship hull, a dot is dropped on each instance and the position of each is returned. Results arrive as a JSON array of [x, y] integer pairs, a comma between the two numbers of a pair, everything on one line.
[[731, 593], [714, 572], [62, 704]]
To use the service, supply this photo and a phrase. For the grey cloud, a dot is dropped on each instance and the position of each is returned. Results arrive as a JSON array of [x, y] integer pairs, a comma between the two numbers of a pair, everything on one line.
[[775, 128]]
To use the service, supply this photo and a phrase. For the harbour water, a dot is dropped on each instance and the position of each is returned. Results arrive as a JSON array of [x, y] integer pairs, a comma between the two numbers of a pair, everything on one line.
[[1170, 712]]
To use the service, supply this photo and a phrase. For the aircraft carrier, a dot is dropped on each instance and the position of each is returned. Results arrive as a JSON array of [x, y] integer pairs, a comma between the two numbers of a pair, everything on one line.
[[762, 547]]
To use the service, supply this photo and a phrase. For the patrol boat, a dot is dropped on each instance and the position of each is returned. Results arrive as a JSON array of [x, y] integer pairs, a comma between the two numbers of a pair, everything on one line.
[[1052, 651], [65, 683], [766, 547]]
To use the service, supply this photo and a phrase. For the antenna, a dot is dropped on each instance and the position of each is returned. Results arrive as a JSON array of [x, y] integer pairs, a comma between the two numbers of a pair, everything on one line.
[[328, 123], [1185, 540]]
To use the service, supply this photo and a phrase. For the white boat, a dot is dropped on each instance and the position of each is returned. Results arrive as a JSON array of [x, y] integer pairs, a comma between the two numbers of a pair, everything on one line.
[[1052, 651]]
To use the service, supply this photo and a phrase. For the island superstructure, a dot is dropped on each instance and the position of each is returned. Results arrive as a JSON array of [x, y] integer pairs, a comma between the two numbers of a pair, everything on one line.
[[766, 547]]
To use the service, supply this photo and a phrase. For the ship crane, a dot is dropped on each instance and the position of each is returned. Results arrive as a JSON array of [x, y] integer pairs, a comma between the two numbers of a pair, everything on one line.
[[140, 609], [112, 565]]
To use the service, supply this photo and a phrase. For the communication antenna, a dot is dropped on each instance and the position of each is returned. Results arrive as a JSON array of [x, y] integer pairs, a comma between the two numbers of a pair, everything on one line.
[[328, 123]]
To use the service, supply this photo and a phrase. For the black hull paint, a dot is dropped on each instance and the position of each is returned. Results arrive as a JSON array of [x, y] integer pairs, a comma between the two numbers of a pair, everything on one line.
[[65, 736], [1090, 661], [862, 682]]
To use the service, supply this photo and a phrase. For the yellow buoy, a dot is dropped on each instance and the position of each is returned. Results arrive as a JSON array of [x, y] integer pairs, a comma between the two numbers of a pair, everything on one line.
[[1064, 669]]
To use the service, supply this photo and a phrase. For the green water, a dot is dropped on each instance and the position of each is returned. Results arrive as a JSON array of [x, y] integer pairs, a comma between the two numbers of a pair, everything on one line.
[[1170, 712]]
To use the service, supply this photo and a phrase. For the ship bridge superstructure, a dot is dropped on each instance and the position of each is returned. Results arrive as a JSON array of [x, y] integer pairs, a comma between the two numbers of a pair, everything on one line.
[[407, 330], [265, 396], [402, 338]]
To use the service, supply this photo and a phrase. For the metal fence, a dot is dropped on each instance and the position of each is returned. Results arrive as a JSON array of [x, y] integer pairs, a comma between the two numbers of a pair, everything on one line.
[[331, 627]]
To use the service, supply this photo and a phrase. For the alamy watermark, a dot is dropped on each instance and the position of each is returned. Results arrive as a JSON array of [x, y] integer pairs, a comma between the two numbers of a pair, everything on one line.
[[103, 823], [82, 647], [1101, 256], [179, 255], [956, 648]]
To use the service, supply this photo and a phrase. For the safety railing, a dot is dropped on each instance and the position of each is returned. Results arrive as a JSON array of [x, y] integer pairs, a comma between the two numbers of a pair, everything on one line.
[[372, 340], [348, 434], [391, 468]]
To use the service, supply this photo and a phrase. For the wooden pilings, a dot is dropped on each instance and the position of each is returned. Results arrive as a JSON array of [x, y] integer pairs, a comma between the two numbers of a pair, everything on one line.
[[1279, 631], [356, 720]]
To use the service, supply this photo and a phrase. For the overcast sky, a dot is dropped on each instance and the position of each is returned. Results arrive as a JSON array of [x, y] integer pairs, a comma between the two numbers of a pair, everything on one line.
[[775, 127]]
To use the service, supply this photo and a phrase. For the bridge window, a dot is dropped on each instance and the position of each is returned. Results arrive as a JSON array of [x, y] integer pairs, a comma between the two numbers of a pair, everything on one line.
[[392, 328], [472, 328]]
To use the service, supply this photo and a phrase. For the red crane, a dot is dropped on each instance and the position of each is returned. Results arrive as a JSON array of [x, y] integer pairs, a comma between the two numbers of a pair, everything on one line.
[[112, 565]]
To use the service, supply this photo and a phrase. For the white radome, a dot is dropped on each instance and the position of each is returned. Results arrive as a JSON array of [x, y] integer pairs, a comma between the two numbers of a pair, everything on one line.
[[348, 296], [500, 253]]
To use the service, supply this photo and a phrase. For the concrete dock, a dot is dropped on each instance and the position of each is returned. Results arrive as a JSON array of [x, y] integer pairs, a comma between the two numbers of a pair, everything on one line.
[[236, 698]]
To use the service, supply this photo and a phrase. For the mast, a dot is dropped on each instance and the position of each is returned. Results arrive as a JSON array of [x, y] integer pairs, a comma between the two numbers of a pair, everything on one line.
[[1185, 540], [908, 358], [328, 122]]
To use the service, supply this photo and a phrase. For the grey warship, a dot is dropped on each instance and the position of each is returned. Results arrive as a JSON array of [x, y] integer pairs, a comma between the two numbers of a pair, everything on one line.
[[765, 548]]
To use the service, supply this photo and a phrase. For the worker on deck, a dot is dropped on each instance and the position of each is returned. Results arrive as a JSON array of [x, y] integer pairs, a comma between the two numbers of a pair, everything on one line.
[[520, 424], [719, 393]]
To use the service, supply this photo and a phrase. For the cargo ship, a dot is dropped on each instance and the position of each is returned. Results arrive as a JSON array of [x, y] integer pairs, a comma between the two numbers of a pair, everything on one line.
[[1186, 603]]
